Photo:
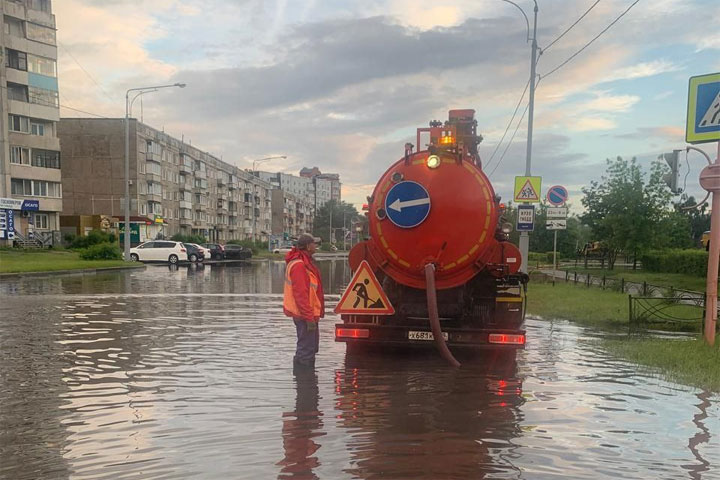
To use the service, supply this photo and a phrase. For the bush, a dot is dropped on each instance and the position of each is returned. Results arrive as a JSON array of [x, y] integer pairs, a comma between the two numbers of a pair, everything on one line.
[[199, 239], [691, 262], [95, 237], [101, 251]]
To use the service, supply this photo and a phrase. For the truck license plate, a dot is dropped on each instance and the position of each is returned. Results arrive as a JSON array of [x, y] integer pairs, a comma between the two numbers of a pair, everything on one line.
[[415, 335]]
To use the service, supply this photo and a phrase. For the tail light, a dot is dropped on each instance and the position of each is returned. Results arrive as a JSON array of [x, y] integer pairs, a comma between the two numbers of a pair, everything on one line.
[[182, 250], [506, 339], [352, 333]]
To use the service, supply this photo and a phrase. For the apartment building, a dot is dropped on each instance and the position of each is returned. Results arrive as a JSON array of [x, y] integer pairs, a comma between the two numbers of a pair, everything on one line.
[[291, 214], [175, 187], [30, 165], [311, 183]]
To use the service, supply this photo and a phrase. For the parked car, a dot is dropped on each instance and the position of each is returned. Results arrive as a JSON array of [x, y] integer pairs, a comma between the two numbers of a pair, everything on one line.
[[195, 252], [282, 250], [159, 251], [206, 251], [217, 251], [237, 252]]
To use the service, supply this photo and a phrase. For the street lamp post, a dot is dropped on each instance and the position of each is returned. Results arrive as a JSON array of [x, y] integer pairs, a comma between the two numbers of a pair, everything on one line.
[[128, 107], [258, 162], [525, 236]]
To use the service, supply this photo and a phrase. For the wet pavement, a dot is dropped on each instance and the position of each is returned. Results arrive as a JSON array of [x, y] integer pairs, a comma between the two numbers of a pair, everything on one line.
[[186, 373]]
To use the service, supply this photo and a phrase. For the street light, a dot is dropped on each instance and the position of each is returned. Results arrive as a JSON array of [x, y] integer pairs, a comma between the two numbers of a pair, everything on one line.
[[524, 236], [128, 107], [258, 162]]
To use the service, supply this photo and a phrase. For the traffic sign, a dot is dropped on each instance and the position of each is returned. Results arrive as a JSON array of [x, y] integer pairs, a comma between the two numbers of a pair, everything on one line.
[[703, 115], [557, 195], [526, 218], [527, 189], [364, 295], [407, 204], [557, 212], [556, 224]]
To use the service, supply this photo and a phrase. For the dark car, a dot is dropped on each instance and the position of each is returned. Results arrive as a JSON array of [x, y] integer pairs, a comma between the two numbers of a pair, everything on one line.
[[194, 253], [237, 252], [217, 251]]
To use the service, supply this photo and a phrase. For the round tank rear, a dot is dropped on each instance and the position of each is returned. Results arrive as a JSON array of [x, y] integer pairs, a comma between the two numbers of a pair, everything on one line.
[[445, 215]]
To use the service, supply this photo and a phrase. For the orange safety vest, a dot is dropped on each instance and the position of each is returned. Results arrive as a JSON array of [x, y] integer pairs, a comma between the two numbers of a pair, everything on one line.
[[288, 297]]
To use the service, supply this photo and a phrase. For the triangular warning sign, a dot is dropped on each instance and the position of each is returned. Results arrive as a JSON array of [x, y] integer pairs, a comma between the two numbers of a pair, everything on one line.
[[712, 116], [364, 295], [527, 193]]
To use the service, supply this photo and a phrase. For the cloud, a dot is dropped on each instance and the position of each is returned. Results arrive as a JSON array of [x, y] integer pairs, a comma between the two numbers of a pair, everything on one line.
[[668, 133]]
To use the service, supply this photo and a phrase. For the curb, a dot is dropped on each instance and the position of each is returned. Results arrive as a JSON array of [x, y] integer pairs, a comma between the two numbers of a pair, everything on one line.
[[83, 271]]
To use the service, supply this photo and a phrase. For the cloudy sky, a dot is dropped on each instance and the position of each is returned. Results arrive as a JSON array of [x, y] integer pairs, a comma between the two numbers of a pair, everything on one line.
[[342, 85]]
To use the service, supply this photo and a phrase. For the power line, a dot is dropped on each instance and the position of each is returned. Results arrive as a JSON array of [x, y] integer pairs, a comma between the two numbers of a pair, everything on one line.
[[510, 142], [81, 111], [571, 26], [591, 41], [509, 124], [86, 72]]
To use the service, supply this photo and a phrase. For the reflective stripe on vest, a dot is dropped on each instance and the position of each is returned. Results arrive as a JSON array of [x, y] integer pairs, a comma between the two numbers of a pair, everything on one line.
[[288, 297]]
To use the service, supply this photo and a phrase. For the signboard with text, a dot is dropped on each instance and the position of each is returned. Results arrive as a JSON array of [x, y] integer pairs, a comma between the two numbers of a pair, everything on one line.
[[526, 218]]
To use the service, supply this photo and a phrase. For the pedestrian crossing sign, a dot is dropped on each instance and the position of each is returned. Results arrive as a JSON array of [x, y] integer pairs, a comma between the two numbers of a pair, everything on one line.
[[526, 189], [703, 115], [364, 295]]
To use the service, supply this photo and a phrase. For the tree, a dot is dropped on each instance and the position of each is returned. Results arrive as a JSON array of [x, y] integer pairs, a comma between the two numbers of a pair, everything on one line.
[[343, 215], [623, 211], [698, 218]]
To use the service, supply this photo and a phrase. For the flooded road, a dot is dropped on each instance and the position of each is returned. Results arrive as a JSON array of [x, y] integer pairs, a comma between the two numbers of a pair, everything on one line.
[[187, 373]]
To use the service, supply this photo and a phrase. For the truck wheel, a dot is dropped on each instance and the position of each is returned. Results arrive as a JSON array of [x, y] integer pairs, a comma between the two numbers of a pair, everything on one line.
[[173, 259]]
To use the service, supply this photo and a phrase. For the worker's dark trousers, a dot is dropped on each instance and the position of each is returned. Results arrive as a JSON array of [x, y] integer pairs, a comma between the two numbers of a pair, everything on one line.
[[308, 343]]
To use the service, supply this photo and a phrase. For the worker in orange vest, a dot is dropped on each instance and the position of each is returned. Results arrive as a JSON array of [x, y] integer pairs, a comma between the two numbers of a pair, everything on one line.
[[303, 298]]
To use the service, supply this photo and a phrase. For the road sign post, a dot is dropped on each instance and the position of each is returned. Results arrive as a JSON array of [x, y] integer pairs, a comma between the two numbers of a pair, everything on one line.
[[556, 217], [527, 190], [703, 125]]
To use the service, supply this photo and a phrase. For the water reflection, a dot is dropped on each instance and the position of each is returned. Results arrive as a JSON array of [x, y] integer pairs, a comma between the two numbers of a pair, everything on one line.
[[301, 427], [421, 419]]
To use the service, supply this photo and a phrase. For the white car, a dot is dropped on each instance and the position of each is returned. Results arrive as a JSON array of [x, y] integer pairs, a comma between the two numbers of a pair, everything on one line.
[[282, 250], [159, 251]]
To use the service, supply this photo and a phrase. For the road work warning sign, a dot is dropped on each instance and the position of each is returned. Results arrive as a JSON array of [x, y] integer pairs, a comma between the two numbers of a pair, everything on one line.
[[527, 189], [364, 295]]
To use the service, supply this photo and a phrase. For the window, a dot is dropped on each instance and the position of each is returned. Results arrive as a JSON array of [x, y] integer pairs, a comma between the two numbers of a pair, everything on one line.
[[19, 186], [20, 155], [15, 59], [14, 27], [35, 188], [40, 220], [154, 168], [42, 5], [41, 33], [45, 158], [42, 96], [17, 92], [42, 65], [37, 128]]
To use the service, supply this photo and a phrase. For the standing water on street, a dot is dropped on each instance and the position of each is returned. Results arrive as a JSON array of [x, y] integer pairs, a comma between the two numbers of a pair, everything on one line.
[[186, 372]]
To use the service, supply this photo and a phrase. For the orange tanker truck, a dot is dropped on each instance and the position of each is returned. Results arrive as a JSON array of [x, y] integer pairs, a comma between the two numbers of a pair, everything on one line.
[[438, 252]]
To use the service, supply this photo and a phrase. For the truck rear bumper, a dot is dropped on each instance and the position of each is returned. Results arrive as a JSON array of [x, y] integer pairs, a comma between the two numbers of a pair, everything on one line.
[[409, 336]]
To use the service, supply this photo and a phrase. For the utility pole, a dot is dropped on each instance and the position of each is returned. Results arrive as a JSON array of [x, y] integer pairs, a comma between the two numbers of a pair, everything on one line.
[[525, 236]]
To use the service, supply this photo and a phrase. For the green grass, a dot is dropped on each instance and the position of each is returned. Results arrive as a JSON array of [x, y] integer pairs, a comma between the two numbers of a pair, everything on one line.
[[21, 261], [675, 280], [691, 362], [589, 306]]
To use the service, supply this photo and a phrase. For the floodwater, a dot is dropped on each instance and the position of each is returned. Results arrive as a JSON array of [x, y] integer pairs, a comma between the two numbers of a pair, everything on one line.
[[186, 373]]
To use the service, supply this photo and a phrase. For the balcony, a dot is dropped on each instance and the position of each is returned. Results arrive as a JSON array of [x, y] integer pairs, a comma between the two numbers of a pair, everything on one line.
[[152, 157], [221, 182], [154, 197], [186, 222], [185, 170], [185, 204], [200, 174]]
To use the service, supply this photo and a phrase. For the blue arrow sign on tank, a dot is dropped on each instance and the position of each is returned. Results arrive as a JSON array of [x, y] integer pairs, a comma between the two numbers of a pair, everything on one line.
[[407, 204]]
